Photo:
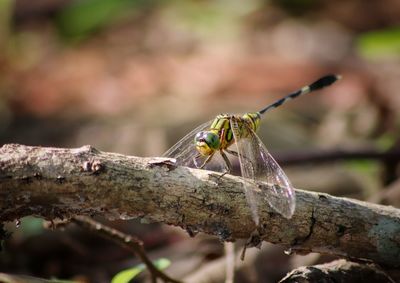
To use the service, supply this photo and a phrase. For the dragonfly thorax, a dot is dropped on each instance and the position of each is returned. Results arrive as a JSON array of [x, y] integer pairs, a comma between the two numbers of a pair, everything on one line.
[[220, 136]]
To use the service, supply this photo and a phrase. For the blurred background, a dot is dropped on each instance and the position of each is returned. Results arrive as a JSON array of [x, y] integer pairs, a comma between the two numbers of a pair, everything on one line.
[[133, 76]]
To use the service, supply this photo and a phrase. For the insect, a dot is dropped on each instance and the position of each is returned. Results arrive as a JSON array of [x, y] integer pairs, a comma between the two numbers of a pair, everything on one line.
[[234, 136]]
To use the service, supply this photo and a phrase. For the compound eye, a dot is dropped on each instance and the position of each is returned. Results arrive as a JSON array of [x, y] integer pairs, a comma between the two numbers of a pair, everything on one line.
[[212, 140]]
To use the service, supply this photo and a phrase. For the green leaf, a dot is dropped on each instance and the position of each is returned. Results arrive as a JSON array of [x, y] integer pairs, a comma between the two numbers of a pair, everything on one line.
[[125, 276], [31, 226], [6, 15], [367, 167], [83, 17], [386, 141], [380, 44], [162, 263]]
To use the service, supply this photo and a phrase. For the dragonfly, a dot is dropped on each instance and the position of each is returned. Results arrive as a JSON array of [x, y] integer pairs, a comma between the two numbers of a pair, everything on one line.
[[234, 136]]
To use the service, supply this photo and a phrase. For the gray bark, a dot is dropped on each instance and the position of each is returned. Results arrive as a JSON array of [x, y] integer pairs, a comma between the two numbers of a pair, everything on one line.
[[59, 183], [339, 271]]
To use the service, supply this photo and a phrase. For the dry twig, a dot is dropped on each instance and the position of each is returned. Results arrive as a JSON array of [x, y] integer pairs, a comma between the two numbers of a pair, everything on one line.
[[129, 242]]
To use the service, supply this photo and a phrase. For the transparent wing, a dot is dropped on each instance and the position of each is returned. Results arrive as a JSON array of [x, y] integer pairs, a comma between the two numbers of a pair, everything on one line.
[[185, 153], [256, 163], [184, 150]]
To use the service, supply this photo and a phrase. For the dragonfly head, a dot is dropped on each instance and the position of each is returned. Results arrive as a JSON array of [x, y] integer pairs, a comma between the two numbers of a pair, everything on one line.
[[206, 142]]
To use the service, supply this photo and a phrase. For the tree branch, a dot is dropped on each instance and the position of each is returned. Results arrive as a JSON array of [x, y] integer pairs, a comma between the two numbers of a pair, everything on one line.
[[51, 182]]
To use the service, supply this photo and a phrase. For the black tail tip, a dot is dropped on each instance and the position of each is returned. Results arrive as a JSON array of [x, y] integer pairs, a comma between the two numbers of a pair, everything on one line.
[[324, 81]]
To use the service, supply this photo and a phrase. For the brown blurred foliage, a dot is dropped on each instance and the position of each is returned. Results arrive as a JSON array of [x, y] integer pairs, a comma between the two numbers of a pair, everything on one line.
[[134, 76]]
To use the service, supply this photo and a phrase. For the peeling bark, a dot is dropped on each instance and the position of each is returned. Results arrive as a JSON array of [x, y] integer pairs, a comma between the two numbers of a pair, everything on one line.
[[336, 272], [60, 183]]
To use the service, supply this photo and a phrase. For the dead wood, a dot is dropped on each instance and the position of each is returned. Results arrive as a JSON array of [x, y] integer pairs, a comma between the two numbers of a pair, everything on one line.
[[336, 272], [60, 183]]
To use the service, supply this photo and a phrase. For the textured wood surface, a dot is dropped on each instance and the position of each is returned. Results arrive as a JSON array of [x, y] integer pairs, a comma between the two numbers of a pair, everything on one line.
[[54, 182], [339, 271]]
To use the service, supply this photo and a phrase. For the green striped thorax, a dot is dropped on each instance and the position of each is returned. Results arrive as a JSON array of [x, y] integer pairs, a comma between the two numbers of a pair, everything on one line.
[[220, 136]]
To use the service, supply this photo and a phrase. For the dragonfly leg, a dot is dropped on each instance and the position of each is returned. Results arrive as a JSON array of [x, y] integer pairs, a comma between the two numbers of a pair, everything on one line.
[[206, 161], [228, 165], [234, 153]]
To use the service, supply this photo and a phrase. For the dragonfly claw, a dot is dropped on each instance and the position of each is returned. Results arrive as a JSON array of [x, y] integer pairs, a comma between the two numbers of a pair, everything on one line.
[[219, 177]]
